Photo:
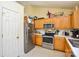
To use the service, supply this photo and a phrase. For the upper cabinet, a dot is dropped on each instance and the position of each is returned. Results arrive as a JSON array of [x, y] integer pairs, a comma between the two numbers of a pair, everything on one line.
[[75, 18], [62, 22], [39, 23]]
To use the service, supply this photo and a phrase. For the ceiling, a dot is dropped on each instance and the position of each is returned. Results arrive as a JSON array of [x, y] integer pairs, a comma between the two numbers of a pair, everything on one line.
[[61, 4]]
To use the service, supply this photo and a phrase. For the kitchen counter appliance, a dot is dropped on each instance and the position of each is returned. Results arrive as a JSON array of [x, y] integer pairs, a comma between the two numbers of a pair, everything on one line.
[[75, 33], [48, 40], [48, 26], [28, 44]]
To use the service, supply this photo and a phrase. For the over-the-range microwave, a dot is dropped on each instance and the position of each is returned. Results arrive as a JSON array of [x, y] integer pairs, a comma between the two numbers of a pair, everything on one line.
[[48, 25]]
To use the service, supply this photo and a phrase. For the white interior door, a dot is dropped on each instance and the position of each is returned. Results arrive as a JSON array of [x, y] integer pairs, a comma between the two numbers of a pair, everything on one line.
[[10, 32], [0, 31]]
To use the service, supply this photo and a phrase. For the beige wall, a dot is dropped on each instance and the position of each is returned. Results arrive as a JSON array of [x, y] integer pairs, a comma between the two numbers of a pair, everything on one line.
[[42, 11]]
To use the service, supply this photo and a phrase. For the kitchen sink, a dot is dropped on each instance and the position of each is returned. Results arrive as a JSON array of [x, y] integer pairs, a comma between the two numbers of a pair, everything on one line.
[[75, 43]]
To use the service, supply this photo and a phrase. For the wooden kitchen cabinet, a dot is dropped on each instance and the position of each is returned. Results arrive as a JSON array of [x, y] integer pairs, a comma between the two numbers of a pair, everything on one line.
[[75, 18], [68, 50], [39, 23], [56, 23], [59, 43], [47, 20], [62, 22], [38, 40], [65, 22], [33, 39]]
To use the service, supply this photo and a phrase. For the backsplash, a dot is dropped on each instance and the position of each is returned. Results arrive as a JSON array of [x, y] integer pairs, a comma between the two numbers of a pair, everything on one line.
[[62, 32]]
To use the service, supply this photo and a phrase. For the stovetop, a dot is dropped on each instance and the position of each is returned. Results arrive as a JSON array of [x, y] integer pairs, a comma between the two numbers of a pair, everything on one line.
[[47, 36]]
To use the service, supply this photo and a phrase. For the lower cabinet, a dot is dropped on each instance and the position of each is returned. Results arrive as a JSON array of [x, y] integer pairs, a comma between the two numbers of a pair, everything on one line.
[[59, 43], [38, 39], [68, 51], [33, 39]]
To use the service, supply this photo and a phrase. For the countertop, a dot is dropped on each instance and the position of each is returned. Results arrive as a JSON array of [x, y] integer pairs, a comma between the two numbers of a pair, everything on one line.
[[37, 34], [42, 35], [74, 49]]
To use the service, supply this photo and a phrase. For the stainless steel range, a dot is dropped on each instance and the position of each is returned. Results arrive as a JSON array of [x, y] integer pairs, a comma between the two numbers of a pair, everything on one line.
[[48, 40]]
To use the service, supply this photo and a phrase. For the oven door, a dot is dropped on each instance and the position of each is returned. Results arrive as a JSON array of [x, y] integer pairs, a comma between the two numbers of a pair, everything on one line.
[[48, 40]]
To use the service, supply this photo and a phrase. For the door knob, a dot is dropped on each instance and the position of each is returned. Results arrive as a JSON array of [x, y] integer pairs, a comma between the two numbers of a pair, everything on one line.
[[17, 37]]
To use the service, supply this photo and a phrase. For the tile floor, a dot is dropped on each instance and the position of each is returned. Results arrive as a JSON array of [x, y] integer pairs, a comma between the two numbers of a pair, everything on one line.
[[42, 52]]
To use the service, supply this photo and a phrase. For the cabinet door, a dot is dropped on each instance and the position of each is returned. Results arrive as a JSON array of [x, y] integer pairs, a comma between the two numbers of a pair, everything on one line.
[[65, 22], [76, 19], [39, 40], [56, 22], [62, 22], [10, 33], [59, 43], [0, 31], [38, 24]]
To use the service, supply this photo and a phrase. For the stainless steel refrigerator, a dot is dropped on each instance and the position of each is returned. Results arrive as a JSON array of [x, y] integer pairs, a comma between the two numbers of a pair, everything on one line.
[[28, 44]]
